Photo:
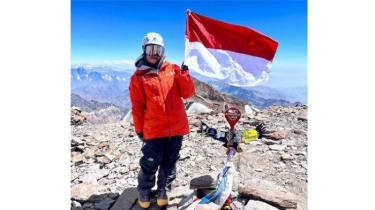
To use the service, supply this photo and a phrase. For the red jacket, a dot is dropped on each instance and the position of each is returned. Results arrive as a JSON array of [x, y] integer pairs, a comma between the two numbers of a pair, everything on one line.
[[157, 106]]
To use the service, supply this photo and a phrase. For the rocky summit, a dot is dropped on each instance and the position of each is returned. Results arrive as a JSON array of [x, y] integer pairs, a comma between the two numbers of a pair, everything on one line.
[[271, 172]]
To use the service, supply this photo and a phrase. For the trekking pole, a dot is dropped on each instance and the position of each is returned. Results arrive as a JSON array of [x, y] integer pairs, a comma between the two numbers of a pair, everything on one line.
[[225, 107], [233, 115]]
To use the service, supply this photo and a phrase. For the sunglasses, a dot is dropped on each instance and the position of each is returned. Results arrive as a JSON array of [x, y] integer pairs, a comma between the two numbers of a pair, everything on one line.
[[154, 50]]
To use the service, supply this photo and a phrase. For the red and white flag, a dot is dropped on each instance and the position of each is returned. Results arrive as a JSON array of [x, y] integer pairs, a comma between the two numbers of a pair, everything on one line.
[[234, 54]]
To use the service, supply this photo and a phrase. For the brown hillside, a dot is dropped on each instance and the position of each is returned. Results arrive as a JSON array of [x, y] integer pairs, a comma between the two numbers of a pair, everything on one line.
[[207, 95]]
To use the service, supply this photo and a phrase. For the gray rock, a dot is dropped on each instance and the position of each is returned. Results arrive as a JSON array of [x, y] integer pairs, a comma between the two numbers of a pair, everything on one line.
[[202, 155], [258, 205]]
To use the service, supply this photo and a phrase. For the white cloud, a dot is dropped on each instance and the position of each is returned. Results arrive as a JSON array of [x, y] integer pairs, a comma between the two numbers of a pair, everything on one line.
[[117, 65]]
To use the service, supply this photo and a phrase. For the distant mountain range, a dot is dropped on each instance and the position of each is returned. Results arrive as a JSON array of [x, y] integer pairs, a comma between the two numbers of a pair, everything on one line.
[[101, 86], [263, 96], [94, 89]]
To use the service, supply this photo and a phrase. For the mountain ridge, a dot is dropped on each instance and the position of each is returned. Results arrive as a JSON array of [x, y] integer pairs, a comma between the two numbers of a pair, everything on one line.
[[102, 91]]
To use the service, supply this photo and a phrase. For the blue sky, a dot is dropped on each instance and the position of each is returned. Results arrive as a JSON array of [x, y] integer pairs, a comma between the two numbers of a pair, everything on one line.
[[113, 30]]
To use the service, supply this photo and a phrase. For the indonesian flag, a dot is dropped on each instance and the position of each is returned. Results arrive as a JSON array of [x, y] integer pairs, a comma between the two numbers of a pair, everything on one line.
[[234, 54]]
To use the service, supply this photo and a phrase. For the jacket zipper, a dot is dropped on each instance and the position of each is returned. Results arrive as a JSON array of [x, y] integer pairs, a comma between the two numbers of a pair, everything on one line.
[[166, 109], [170, 98], [156, 93]]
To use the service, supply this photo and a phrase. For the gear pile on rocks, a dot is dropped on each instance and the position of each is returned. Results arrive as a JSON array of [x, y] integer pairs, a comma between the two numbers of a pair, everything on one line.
[[272, 172]]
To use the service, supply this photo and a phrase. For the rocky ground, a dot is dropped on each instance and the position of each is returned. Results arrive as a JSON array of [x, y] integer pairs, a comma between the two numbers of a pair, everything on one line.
[[272, 172]]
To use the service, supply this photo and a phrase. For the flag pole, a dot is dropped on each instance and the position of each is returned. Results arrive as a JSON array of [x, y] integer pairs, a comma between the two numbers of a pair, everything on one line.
[[188, 12]]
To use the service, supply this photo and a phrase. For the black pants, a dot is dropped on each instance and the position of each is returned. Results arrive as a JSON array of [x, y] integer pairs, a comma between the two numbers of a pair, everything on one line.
[[159, 155]]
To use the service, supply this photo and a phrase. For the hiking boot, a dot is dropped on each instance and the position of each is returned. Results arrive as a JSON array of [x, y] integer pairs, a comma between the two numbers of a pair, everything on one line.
[[162, 198], [144, 198]]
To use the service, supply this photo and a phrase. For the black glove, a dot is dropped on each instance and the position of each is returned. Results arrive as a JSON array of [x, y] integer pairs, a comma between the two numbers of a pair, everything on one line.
[[184, 67], [140, 136], [260, 129]]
